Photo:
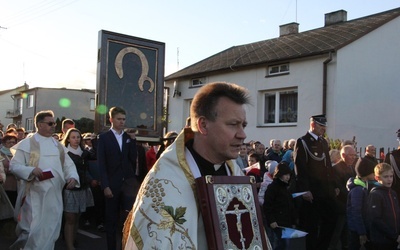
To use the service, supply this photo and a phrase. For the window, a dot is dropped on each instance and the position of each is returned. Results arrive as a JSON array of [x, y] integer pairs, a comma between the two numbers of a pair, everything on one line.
[[20, 106], [280, 106], [29, 101], [29, 124], [278, 69], [92, 104], [198, 82]]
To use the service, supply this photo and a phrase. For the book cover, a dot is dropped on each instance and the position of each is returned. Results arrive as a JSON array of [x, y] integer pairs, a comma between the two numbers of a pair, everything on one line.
[[46, 174], [231, 212]]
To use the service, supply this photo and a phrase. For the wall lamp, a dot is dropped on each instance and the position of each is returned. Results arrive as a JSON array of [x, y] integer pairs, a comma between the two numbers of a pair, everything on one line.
[[176, 92]]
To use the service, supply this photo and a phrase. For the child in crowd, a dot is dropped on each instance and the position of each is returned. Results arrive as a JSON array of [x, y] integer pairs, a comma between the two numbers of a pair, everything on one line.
[[254, 168], [278, 206], [356, 208], [383, 210], [267, 179]]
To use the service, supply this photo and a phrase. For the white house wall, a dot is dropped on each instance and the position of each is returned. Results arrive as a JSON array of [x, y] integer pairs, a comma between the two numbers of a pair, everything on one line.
[[362, 92], [306, 75], [366, 95]]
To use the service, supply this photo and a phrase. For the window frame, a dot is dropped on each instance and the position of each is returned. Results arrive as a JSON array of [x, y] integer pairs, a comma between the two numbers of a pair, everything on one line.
[[281, 69], [276, 94], [92, 105], [20, 105], [201, 80], [29, 126], [30, 100]]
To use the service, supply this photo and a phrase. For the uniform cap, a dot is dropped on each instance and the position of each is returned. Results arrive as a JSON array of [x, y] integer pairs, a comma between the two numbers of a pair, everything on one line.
[[320, 119]]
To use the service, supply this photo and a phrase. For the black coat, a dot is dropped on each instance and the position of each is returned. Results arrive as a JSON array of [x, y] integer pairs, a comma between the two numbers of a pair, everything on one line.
[[278, 204], [396, 179], [311, 174], [383, 213], [82, 167], [343, 173]]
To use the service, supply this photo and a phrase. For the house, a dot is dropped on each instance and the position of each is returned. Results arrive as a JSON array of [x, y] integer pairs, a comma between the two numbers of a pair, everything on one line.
[[69, 103], [7, 103], [348, 69]]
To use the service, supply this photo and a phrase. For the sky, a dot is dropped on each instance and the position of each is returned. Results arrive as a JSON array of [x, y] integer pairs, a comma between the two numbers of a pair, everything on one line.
[[53, 43]]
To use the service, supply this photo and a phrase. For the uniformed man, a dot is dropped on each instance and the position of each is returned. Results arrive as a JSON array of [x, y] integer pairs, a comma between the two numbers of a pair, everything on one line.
[[314, 175]]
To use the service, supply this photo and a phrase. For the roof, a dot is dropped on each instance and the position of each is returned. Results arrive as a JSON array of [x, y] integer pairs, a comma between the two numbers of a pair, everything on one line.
[[2, 92], [309, 43]]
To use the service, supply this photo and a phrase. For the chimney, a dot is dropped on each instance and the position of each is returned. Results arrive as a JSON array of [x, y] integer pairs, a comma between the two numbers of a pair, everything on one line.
[[335, 17], [288, 29]]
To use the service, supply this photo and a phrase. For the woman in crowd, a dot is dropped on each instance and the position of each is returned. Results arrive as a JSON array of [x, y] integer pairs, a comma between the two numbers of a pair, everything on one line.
[[10, 185], [76, 200]]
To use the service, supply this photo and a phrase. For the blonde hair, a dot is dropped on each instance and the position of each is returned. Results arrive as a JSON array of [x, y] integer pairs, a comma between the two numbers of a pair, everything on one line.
[[382, 167]]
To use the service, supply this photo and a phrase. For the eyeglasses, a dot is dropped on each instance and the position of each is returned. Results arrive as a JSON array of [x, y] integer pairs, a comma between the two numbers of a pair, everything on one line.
[[50, 123]]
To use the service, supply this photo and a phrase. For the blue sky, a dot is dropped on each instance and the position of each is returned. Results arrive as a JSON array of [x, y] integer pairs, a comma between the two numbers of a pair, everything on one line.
[[54, 43]]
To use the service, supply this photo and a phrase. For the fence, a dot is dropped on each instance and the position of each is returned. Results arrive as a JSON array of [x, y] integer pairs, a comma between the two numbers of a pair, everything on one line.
[[381, 153]]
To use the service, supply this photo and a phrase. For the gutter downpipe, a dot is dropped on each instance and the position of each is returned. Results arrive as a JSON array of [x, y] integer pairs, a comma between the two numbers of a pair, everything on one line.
[[325, 82]]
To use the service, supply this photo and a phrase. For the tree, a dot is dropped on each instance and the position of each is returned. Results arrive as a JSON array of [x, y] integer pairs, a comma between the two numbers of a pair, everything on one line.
[[85, 125]]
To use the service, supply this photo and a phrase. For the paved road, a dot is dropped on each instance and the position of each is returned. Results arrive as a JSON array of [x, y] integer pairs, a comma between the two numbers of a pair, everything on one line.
[[88, 237]]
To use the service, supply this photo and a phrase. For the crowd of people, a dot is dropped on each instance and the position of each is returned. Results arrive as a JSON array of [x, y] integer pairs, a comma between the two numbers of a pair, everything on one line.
[[338, 209], [55, 181], [86, 189], [303, 165]]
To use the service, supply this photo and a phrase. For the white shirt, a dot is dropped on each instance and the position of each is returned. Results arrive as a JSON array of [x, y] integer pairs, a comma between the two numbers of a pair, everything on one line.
[[118, 137]]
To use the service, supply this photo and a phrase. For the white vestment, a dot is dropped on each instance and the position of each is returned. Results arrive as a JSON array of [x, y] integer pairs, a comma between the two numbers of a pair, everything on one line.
[[165, 213], [39, 218]]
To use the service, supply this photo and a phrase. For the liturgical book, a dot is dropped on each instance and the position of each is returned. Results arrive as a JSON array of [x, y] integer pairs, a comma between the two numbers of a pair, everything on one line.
[[231, 212]]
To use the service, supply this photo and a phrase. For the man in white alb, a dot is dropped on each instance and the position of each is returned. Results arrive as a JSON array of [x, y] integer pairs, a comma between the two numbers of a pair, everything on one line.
[[44, 168]]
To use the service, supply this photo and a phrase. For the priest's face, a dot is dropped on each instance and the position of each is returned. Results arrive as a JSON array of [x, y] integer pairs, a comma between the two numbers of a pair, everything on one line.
[[225, 135], [47, 126]]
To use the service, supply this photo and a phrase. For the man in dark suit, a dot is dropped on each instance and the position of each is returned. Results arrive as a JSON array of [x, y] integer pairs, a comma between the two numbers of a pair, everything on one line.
[[315, 176], [116, 156]]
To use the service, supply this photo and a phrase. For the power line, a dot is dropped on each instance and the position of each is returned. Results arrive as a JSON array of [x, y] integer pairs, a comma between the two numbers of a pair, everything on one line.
[[24, 12], [34, 12]]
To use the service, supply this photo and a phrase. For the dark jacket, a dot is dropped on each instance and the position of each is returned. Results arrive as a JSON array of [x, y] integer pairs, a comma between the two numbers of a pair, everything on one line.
[[278, 204], [115, 165], [383, 213], [396, 179], [274, 156], [357, 202], [314, 175], [82, 167], [342, 173]]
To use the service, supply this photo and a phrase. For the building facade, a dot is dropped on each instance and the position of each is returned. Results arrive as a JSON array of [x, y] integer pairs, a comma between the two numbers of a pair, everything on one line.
[[7, 111], [347, 70], [69, 103]]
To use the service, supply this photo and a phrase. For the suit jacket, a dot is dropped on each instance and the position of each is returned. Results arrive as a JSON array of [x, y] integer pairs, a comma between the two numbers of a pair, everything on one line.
[[314, 175], [115, 165]]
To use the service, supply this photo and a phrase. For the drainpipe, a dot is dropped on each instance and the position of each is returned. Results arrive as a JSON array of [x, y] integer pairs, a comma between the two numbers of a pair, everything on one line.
[[325, 82]]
